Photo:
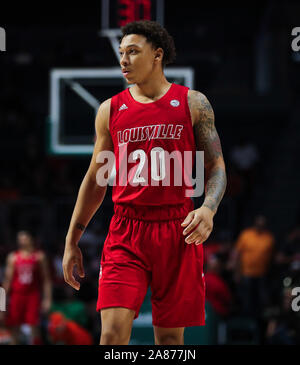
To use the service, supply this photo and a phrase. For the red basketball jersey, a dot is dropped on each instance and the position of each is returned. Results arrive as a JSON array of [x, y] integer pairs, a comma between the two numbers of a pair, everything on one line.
[[26, 276], [149, 144]]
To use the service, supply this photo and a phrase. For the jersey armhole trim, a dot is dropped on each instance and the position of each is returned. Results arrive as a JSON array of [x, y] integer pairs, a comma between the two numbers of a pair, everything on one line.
[[110, 114], [189, 113]]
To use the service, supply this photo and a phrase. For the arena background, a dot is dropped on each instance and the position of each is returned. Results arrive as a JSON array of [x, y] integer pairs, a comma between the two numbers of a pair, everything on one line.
[[243, 61]]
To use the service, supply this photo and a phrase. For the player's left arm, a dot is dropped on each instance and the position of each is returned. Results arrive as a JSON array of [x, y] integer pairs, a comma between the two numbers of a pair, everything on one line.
[[47, 284], [200, 220], [9, 272]]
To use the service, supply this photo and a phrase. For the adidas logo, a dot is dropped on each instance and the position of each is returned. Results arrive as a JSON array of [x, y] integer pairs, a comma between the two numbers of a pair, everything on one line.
[[124, 106]]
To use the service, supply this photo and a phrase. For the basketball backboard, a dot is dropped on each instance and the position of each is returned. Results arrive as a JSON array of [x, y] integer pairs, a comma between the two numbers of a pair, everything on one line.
[[75, 96]]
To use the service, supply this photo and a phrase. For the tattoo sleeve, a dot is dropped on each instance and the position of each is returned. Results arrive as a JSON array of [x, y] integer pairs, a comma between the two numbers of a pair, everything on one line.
[[80, 226], [207, 140]]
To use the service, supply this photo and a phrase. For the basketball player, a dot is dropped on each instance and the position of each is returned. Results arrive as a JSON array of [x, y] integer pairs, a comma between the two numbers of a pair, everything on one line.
[[26, 272], [155, 236]]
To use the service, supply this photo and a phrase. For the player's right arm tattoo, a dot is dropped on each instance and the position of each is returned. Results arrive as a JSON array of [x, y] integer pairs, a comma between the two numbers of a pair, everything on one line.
[[80, 226], [207, 140]]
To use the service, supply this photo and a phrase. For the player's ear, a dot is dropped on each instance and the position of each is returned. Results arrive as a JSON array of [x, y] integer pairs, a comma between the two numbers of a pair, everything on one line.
[[159, 54]]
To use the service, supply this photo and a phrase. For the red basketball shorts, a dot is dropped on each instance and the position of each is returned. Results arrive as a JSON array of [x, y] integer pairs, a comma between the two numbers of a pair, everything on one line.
[[145, 246], [23, 309]]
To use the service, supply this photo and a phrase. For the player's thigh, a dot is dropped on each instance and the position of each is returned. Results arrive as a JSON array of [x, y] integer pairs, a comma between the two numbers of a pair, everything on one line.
[[16, 310], [32, 313], [168, 336], [117, 321]]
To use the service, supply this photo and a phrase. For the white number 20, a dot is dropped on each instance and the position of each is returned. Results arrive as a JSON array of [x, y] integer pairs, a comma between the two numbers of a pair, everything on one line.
[[158, 173]]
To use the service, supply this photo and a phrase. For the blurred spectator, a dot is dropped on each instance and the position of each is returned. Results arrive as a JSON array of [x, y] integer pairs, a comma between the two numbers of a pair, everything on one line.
[[250, 260], [217, 291], [288, 255], [212, 247], [70, 306], [63, 331], [73, 308], [244, 156]]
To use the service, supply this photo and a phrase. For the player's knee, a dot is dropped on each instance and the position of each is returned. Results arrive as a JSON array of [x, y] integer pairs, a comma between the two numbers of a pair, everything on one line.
[[114, 335], [108, 338], [169, 339], [112, 338]]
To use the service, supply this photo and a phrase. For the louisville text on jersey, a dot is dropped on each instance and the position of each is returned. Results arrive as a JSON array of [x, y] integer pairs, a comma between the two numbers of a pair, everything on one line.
[[156, 131]]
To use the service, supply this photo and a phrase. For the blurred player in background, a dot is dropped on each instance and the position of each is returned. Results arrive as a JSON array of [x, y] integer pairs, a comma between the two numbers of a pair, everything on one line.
[[155, 237], [28, 286]]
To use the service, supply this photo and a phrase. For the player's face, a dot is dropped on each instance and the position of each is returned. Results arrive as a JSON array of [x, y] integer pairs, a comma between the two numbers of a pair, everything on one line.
[[260, 222], [24, 240], [137, 58]]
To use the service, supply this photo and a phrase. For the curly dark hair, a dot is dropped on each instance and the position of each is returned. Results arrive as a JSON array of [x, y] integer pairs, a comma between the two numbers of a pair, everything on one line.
[[155, 34]]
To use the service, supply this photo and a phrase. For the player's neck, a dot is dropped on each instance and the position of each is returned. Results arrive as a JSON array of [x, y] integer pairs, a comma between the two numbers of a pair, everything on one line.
[[26, 251], [153, 88]]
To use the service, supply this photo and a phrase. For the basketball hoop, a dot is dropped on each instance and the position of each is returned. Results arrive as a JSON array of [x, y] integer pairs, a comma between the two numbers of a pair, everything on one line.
[[75, 94]]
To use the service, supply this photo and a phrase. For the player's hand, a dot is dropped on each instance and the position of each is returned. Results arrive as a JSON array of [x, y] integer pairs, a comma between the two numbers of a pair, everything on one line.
[[198, 225], [72, 257]]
